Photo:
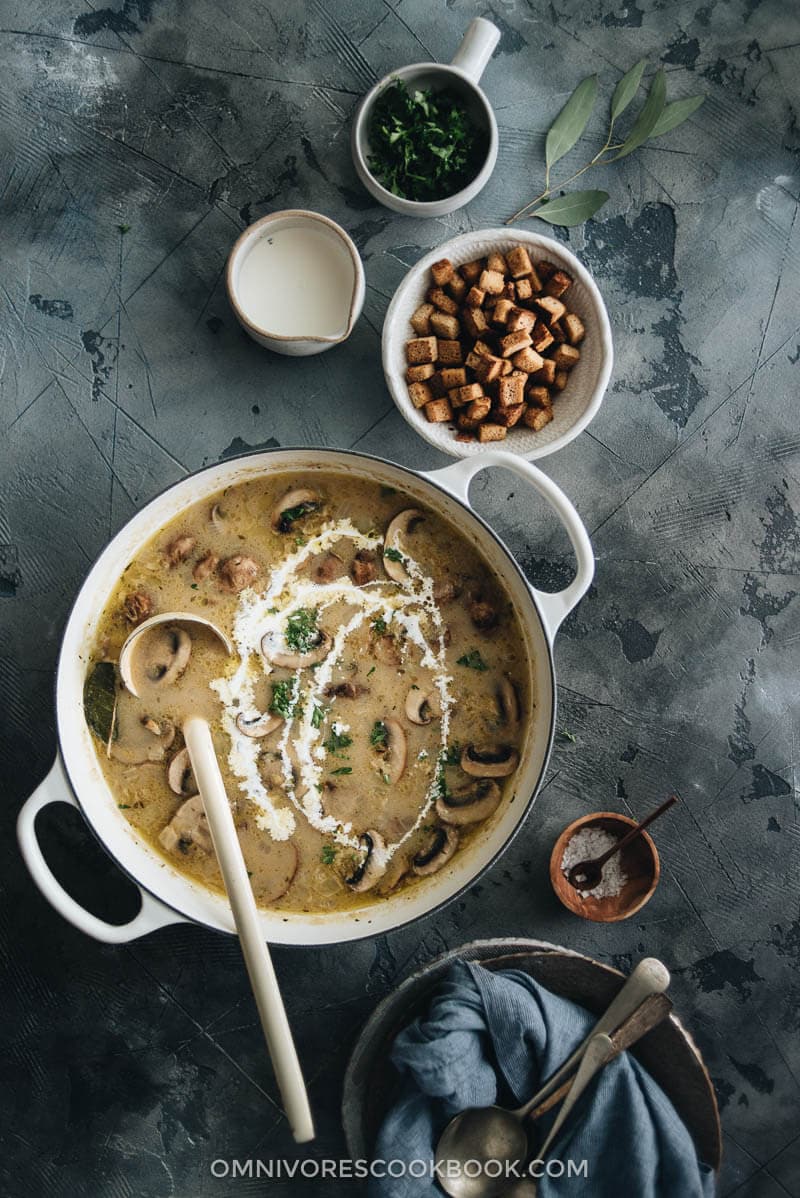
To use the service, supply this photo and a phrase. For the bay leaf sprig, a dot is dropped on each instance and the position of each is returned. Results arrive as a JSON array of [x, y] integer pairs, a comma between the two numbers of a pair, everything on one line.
[[655, 118]]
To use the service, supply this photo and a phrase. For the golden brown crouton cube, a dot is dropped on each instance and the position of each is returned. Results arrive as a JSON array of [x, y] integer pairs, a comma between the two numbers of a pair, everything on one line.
[[444, 302], [474, 297], [527, 359], [573, 327], [473, 360], [545, 269], [520, 320], [566, 356], [542, 337], [560, 380], [524, 290], [539, 397], [559, 336], [558, 283], [479, 409], [420, 350], [491, 432], [466, 394], [507, 367], [535, 281], [489, 369], [496, 261], [502, 310], [442, 272], [445, 326], [492, 282], [438, 411], [519, 262], [471, 271], [552, 308], [450, 353], [537, 418], [421, 319], [511, 390], [418, 374], [482, 349], [453, 376], [457, 287], [509, 416], [513, 342], [419, 394], [475, 321], [438, 389], [545, 374]]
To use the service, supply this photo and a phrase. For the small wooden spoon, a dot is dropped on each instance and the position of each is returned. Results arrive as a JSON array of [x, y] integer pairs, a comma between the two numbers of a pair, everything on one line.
[[586, 875]]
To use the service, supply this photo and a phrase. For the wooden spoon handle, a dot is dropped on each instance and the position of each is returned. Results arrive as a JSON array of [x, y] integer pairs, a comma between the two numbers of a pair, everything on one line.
[[267, 994], [634, 832]]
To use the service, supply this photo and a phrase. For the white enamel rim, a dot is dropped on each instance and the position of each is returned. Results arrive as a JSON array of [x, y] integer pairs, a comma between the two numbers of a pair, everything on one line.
[[476, 48], [170, 897], [579, 403], [301, 344]]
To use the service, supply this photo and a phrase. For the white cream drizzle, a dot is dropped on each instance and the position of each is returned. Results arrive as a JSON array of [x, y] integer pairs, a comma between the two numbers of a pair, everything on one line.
[[264, 615]]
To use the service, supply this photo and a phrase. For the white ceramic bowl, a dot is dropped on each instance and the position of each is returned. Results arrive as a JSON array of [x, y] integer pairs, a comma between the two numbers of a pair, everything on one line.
[[573, 409], [462, 77]]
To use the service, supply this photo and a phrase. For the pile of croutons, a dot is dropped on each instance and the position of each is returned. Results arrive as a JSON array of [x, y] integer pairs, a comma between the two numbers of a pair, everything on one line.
[[495, 344]]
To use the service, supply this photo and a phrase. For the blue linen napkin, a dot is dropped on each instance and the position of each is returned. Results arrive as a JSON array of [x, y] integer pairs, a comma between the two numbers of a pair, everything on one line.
[[624, 1126]]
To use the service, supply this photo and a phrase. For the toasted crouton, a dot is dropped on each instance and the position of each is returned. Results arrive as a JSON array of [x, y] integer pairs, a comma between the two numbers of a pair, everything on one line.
[[492, 282], [565, 356], [497, 262], [483, 350], [536, 282], [474, 297], [460, 396], [545, 269], [438, 411], [541, 337], [442, 272], [502, 310], [491, 432], [419, 394], [527, 359], [511, 390], [545, 375], [519, 262], [509, 416], [520, 320], [472, 360], [421, 319], [560, 380], [573, 327], [489, 369], [420, 350], [558, 283], [475, 321], [552, 308], [418, 374], [453, 376], [524, 289], [441, 300], [471, 271], [539, 397], [450, 353], [537, 418], [513, 342], [507, 367], [457, 287], [559, 336], [479, 409], [445, 326]]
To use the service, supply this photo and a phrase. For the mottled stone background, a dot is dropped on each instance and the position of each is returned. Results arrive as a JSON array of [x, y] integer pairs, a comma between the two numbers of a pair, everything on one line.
[[127, 1071]]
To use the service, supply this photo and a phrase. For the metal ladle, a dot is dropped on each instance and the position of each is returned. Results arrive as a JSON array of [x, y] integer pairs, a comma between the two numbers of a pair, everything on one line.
[[494, 1134]]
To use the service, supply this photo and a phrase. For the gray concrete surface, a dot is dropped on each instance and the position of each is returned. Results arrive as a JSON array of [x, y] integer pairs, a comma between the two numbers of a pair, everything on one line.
[[127, 1071]]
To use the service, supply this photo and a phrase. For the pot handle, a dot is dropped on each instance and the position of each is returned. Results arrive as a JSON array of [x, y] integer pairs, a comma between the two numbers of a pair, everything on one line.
[[153, 914], [476, 48], [554, 608]]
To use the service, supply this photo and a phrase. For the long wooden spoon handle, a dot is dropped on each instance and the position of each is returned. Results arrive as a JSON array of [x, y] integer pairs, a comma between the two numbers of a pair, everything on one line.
[[640, 827], [267, 994]]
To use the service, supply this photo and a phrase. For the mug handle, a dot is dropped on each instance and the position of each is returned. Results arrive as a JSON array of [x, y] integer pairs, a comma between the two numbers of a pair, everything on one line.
[[553, 607], [476, 48], [152, 914]]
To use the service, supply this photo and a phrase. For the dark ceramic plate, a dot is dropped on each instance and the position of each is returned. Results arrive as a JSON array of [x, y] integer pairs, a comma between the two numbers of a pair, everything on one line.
[[668, 1052]]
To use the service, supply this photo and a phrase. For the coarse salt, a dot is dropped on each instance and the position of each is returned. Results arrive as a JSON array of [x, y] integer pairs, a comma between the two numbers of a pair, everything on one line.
[[588, 844]]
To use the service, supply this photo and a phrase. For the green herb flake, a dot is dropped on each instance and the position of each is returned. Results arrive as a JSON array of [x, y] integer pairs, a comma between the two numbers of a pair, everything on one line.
[[379, 736], [337, 741], [379, 626], [386, 778], [318, 715], [124, 806], [124, 229], [452, 755], [288, 518], [563, 735], [472, 660], [301, 629], [372, 671], [283, 701], [394, 555], [193, 586], [343, 769], [328, 854]]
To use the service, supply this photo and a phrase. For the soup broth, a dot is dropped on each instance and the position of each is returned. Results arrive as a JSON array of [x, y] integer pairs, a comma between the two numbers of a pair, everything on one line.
[[368, 720]]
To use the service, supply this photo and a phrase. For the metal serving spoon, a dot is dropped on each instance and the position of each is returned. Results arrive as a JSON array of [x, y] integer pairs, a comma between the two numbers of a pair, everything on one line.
[[489, 1134], [585, 875], [245, 913]]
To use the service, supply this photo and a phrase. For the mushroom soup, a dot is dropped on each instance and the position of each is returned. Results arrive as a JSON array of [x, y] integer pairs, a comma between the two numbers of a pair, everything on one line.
[[361, 670]]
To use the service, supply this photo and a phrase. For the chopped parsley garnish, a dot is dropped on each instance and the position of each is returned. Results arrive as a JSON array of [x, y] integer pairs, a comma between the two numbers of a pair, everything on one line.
[[379, 736], [379, 625], [300, 542], [386, 778], [318, 715], [372, 671], [283, 701], [337, 741], [328, 854], [453, 754], [564, 735], [291, 514], [394, 555], [301, 629], [424, 145], [472, 660], [343, 769]]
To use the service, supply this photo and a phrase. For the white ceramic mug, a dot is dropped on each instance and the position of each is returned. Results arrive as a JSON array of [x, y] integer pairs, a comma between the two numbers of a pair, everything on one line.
[[462, 76]]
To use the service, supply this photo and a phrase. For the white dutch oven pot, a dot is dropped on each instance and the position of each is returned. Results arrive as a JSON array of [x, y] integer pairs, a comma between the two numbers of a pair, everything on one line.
[[171, 897]]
